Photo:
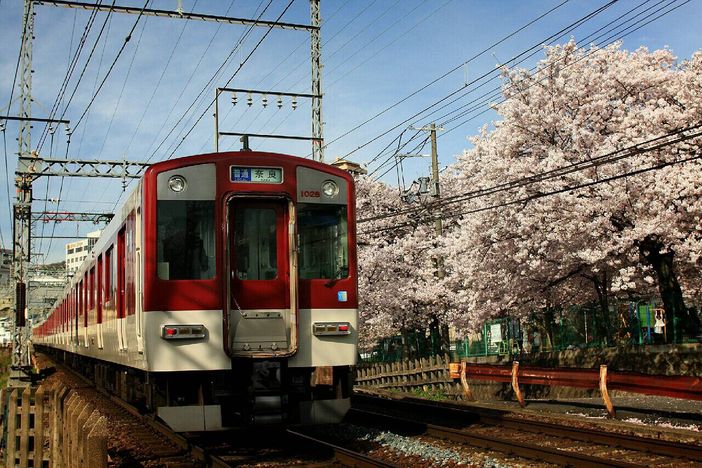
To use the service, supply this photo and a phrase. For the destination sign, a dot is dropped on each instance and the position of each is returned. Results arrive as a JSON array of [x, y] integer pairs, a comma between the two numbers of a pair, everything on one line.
[[257, 175]]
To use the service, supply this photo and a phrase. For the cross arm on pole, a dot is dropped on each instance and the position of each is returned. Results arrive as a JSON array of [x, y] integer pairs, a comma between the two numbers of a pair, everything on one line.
[[34, 167], [177, 15]]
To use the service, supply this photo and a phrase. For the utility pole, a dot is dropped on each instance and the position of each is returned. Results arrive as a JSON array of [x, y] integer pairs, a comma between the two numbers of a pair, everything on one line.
[[441, 329], [436, 188], [22, 209], [316, 56]]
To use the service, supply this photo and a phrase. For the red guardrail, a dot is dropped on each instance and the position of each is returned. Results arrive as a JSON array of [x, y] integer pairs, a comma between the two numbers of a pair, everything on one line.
[[676, 386]]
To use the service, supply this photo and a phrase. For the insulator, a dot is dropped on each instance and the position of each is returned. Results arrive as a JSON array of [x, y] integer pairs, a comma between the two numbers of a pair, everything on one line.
[[294, 102], [2, 125], [280, 102], [52, 129], [249, 100], [264, 101], [68, 130], [234, 99]]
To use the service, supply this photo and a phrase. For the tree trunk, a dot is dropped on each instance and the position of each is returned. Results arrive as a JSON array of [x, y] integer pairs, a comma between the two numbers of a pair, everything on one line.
[[602, 324], [684, 322]]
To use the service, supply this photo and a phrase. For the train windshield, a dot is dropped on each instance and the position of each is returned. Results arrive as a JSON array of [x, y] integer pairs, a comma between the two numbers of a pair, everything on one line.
[[323, 241], [186, 240]]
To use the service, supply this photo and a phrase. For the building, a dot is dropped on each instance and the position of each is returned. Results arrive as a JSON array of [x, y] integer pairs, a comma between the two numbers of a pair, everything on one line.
[[349, 166], [77, 251]]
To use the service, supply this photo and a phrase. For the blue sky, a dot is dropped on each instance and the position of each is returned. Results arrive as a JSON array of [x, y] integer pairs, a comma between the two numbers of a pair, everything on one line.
[[375, 53]]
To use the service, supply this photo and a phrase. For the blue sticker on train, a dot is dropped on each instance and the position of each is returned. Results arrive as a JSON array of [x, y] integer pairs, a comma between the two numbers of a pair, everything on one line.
[[241, 174], [342, 296]]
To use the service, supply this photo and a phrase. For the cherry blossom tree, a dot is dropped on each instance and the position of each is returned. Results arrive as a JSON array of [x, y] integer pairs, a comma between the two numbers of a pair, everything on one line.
[[400, 290], [520, 248]]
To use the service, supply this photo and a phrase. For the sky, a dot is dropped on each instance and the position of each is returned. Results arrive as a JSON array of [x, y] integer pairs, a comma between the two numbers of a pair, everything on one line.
[[382, 60]]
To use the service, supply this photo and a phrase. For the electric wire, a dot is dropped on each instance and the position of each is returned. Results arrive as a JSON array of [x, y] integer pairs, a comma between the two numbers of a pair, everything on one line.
[[444, 75], [107, 22], [677, 135], [496, 93], [608, 41], [207, 85], [87, 61], [289, 56], [69, 73], [241, 65], [527, 199], [114, 62], [433, 12], [524, 55], [160, 80], [607, 158], [192, 74]]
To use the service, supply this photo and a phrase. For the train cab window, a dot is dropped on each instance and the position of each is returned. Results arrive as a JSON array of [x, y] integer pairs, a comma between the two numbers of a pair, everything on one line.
[[323, 241], [186, 239], [255, 244]]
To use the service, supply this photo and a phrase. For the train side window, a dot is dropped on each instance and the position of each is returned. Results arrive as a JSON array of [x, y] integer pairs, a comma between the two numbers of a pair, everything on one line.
[[186, 239], [91, 291], [108, 274], [322, 241]]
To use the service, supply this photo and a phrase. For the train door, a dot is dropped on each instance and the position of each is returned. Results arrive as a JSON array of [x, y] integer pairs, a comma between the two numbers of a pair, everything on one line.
[[262, 319]]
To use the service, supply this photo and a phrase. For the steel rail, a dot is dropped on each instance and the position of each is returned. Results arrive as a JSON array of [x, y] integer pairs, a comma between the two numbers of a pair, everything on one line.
[[525, 450], [641, 444], [344, 456], [504, 419], [504, 444]]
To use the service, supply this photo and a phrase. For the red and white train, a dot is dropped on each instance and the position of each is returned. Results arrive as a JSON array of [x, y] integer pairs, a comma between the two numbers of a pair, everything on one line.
[[223, 293]]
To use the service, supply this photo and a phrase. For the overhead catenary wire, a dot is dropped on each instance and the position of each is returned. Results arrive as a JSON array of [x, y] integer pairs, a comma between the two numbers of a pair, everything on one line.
[[241, 65], [207, 85], [114, 62], [496, 93], [523, 56], [72, 64], [678, 136], [536, 196], [441, 77], [608, 40], [159, 81]]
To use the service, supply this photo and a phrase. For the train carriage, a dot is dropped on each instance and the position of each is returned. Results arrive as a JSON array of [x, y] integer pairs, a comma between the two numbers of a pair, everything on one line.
[[224, 292]]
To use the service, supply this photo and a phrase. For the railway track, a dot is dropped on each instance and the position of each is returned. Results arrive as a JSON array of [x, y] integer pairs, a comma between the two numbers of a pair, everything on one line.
[[468, 433], [141, 440], [537, 440]]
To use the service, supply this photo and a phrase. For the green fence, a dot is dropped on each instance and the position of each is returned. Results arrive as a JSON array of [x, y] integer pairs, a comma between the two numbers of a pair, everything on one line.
[[627, 323]]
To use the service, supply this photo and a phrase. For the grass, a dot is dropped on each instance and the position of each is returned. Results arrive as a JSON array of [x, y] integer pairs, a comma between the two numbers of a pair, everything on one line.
[[435, 394]]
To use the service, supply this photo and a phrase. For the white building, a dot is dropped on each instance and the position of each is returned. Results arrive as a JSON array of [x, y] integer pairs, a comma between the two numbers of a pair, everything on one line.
[[77, 251]]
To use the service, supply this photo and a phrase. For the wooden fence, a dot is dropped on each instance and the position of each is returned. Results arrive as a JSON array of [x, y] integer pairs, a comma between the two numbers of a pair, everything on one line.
[[51, 427], [429, 376]]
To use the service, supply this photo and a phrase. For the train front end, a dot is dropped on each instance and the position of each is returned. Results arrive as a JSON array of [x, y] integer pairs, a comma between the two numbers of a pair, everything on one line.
[[250, 290]]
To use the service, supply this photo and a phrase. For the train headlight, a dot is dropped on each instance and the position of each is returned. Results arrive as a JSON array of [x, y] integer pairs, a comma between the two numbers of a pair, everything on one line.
[[177, 183], [330, 189]]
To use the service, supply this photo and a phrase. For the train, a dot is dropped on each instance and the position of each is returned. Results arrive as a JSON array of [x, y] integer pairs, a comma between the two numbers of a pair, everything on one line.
[[223, 293]]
